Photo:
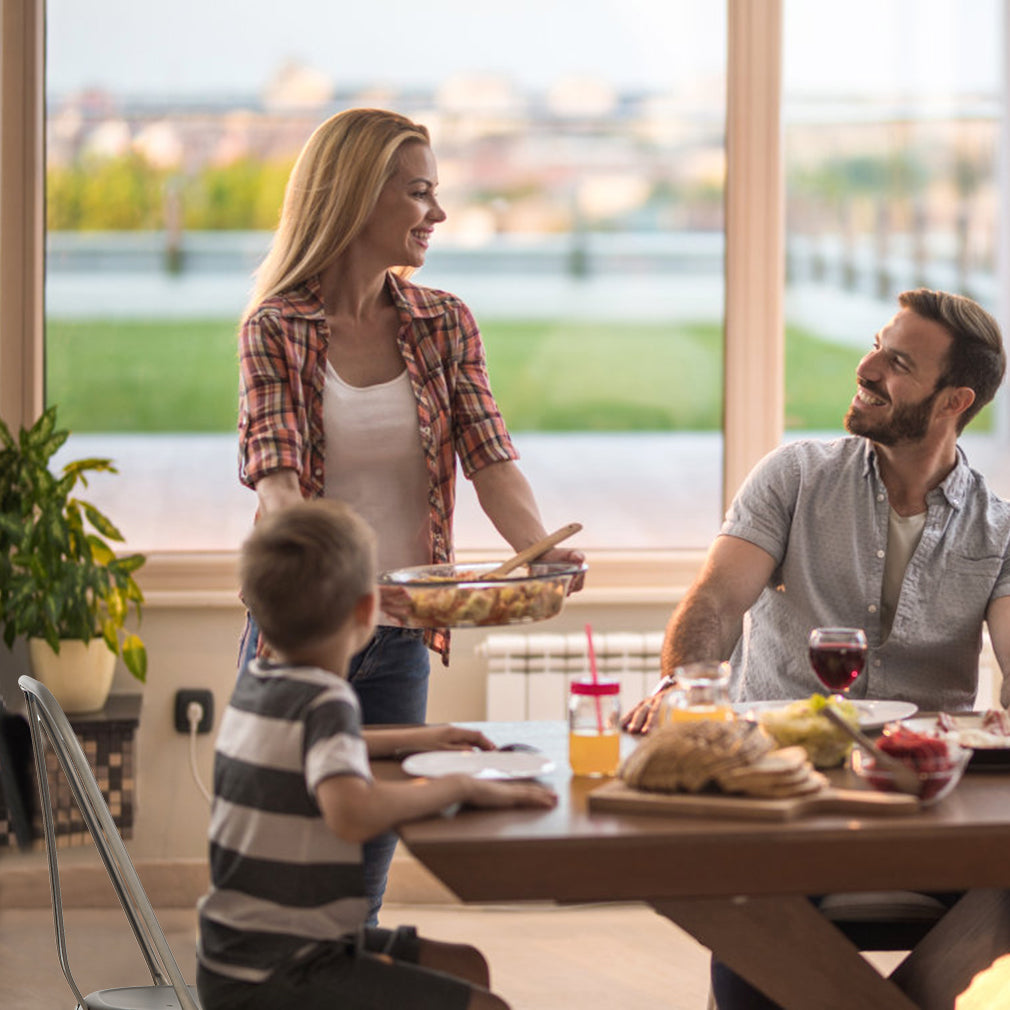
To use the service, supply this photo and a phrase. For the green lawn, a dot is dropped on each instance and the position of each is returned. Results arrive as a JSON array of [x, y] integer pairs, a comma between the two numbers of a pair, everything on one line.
[[121, 375]]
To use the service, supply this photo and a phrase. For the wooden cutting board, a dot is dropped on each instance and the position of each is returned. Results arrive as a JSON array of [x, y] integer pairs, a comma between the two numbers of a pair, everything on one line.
[[616, 797]]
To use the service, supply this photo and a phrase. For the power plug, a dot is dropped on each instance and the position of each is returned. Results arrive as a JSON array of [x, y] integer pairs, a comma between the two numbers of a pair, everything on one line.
[[195, 697]]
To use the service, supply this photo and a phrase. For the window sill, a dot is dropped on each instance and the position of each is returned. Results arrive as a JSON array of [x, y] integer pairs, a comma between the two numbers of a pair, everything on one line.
[[618, 578]]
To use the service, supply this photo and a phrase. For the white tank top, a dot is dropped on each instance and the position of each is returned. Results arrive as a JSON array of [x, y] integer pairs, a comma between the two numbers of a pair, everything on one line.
[[375, 463]]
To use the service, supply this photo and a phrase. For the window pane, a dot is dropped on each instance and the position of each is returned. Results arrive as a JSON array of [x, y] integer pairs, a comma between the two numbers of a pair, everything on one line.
[[891, 175], [581, 163]]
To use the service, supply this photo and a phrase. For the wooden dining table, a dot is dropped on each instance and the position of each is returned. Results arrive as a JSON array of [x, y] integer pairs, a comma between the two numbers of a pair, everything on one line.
[[740, 885]]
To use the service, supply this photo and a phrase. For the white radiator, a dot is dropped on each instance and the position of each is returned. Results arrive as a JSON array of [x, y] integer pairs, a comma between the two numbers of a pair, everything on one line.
[[528, 675]]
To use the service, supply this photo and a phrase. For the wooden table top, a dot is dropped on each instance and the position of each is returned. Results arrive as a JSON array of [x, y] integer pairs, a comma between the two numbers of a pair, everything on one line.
[[572, 854]]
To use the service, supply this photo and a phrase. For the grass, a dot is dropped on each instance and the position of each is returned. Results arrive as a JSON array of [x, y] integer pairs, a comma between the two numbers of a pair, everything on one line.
[[182, 375]]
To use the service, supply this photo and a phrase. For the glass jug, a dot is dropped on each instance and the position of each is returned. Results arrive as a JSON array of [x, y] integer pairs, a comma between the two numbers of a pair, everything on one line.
[[701, 692]]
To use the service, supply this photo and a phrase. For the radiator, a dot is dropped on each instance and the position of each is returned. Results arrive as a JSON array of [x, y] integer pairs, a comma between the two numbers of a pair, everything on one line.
[[528, 675]]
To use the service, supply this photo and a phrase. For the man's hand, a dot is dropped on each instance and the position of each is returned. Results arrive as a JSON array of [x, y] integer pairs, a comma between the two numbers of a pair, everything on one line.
[[643, 716]]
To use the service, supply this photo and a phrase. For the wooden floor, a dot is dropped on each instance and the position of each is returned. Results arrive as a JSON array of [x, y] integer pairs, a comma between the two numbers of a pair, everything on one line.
[[542, 958]]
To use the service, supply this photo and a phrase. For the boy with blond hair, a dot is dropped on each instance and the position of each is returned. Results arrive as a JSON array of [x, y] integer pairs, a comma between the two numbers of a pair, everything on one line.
[[284, 921]]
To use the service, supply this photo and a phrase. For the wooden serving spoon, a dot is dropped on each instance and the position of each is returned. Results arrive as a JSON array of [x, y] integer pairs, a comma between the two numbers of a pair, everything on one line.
[[533, 551]]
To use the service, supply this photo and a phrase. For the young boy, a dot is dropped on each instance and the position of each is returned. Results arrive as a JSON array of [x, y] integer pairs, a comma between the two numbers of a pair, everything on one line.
[[282, 924]]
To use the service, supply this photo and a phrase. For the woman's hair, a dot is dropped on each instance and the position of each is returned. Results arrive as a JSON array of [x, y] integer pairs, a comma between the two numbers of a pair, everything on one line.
[[332, 190], [304, 568], [976, 358]]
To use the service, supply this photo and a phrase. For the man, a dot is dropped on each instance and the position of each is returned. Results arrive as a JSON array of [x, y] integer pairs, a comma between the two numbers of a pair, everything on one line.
[[888, 529]]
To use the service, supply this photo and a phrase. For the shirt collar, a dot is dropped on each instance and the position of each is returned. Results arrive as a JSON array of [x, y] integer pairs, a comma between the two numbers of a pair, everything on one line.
[[953, 487], [305, 300]]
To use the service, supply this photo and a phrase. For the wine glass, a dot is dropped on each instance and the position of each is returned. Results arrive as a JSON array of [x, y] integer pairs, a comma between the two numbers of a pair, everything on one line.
[[837, 656]]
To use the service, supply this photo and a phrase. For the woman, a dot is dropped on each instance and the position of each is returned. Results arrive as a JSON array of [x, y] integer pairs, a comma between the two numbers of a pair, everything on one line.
[[358, 385]]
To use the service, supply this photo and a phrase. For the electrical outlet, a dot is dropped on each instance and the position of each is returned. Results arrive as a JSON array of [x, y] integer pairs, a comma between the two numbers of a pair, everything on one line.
[[182, 700]]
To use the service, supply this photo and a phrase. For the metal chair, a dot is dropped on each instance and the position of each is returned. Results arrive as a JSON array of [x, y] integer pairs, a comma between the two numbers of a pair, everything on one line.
[[169, 991]]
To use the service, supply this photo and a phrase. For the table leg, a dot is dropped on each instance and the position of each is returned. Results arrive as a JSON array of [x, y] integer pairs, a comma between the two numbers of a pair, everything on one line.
[[967, 939], [786, 948]]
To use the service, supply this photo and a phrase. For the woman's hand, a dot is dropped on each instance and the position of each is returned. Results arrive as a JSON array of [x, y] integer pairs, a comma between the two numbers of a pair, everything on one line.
[[567, 556]]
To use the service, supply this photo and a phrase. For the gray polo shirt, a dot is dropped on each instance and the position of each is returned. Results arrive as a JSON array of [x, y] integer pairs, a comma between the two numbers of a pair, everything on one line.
[[821, 510]]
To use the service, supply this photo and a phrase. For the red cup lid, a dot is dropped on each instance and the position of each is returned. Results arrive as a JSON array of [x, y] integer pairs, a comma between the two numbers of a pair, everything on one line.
[[595, 688]]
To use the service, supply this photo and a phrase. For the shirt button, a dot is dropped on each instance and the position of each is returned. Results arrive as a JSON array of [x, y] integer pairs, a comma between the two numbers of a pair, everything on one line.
[[876, 663], [872, 608], [880, 497], [880, 554]]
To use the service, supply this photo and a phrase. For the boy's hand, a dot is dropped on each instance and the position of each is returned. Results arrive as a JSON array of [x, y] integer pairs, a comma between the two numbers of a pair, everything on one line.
[[504, 795], [448, 738]]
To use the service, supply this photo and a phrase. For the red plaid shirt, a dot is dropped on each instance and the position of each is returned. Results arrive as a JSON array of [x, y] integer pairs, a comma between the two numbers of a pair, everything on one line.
[[282, 365]]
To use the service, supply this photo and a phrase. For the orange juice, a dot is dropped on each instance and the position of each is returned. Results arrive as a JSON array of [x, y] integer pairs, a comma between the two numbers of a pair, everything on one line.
[[592, 753], [720, 713]]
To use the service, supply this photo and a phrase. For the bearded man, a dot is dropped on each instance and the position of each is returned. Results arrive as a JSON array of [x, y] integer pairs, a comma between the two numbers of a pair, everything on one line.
[[887, 529]]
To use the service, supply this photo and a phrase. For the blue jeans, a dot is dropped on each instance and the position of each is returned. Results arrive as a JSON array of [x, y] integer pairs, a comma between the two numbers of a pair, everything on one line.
[[390, 678]]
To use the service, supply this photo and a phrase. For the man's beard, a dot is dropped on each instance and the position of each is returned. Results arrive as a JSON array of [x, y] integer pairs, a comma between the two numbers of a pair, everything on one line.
[[907, 423]]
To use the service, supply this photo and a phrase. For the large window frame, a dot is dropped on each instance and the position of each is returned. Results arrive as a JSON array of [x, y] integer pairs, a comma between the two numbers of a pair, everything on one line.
[[754, 342]]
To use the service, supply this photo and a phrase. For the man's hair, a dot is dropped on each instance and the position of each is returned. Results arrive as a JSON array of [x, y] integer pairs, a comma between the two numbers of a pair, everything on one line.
[[976, 358], [304, 568]]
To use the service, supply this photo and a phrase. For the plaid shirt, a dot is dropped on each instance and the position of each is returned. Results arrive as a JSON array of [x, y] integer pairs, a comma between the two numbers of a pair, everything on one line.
[[282, 365]]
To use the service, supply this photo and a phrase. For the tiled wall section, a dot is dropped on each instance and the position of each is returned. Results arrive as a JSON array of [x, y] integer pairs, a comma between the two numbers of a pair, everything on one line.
[[109, 745]]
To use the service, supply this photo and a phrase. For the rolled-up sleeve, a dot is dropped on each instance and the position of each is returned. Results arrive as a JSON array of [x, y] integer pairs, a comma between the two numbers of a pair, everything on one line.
[[479, 431], [270, 434]]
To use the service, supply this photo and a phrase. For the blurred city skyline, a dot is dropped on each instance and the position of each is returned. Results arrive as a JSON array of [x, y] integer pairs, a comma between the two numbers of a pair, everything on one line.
[[927, 48]]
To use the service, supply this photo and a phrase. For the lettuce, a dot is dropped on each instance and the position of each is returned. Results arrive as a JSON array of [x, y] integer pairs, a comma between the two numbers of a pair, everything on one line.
[[802, 723]]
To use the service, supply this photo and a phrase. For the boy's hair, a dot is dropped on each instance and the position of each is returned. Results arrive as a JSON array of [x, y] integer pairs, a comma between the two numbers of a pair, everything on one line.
[[304, 568]]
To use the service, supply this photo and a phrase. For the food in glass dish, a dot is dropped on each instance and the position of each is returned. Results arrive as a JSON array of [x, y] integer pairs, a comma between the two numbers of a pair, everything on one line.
[[938, 762], [453, 596], [991, 729], [802, 723]]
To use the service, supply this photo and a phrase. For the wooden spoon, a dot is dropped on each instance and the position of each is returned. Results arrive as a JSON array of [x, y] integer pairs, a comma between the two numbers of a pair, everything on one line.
[[533, 551], [905, 778]]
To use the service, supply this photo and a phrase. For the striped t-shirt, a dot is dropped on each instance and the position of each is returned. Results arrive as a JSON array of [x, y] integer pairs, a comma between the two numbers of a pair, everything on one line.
[[280, 879]]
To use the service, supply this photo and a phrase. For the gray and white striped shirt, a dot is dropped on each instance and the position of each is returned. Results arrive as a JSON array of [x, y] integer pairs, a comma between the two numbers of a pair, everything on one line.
[[280, 879]]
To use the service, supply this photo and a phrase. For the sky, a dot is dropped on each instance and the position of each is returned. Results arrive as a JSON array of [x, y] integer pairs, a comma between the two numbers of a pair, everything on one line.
[[190, 47]]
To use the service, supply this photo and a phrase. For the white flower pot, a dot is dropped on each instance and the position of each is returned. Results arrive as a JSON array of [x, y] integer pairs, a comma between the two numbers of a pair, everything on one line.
[[80, 675]]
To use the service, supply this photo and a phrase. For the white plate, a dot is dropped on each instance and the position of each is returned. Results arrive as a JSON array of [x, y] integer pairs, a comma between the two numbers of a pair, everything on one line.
[[992, 756], [481, 764], [872, 713]]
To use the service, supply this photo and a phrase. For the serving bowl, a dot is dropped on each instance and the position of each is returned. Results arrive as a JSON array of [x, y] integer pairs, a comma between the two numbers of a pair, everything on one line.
[[460, 596], [936, 780]]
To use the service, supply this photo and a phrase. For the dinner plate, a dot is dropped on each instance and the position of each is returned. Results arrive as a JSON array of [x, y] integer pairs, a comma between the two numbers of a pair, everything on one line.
[[993, 758], [871, 712], [481, 764]]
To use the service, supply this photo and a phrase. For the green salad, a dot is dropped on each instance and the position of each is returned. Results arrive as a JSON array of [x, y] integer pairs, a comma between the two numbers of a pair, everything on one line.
[[803, 723]]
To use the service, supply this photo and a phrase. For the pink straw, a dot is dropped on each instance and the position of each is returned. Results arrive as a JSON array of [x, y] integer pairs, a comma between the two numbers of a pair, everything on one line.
[[596, 680]]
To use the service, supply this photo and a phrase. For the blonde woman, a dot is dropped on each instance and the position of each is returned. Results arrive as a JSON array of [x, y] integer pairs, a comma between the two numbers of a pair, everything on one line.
[[358, 385]]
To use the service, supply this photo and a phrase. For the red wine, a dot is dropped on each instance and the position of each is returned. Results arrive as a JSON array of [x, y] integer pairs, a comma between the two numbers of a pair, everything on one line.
[[837, 666]]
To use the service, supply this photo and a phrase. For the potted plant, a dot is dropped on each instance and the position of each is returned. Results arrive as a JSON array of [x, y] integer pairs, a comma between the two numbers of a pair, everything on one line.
[[62, 587]]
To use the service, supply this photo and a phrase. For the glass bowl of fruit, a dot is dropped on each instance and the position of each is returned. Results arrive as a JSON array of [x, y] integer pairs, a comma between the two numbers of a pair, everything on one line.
[[938, 763]]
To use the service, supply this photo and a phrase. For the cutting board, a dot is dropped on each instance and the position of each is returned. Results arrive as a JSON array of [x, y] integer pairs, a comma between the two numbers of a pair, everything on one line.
[[616, 797]]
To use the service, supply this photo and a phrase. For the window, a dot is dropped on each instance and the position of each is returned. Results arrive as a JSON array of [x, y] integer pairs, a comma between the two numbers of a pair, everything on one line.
[[751, 252], [584, 187], [891, 168]]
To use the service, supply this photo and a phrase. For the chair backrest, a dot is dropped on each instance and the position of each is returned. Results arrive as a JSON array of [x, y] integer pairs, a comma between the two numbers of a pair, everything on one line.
[[47, 721]]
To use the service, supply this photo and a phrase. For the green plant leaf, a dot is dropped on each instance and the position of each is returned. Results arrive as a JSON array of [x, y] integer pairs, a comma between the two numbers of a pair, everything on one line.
[[135, 657], [101, 523]]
